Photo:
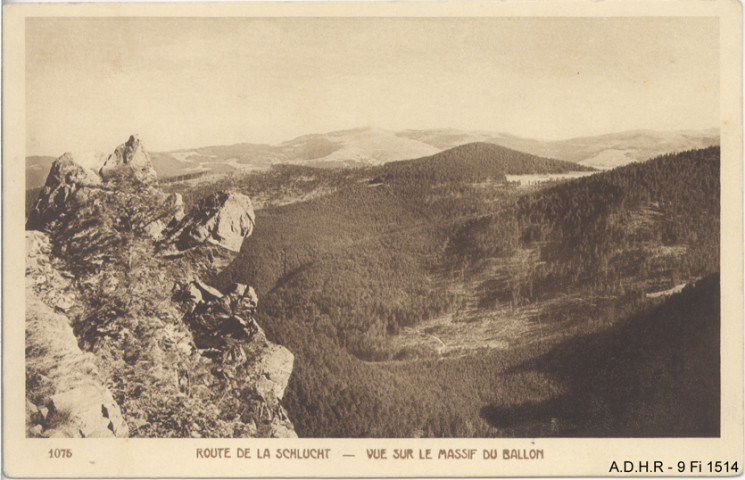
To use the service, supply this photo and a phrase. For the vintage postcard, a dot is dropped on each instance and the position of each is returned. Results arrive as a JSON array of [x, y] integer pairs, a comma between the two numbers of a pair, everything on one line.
[[372, 239]]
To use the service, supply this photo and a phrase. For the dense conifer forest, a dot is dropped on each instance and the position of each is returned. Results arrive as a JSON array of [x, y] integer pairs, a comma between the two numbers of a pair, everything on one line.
[[343, 274]]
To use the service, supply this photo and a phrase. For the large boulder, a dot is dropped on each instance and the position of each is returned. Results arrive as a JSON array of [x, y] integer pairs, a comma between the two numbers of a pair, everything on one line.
[[129, 161], [90, 411], [223, 218], [65, 380], [274, 368]]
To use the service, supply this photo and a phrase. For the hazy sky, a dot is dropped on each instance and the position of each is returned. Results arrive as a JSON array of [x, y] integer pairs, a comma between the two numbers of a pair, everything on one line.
[[183, 82]]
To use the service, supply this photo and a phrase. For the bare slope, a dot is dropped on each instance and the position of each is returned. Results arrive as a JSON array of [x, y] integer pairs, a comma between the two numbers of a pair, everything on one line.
[[365, 146]]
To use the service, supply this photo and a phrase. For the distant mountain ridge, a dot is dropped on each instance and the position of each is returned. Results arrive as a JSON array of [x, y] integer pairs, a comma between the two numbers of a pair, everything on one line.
[[602, 151], [374, 146]]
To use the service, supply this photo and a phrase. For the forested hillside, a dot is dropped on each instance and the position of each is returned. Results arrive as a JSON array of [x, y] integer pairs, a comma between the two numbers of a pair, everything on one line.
[[359, 269], [476, 162], [610, 231]]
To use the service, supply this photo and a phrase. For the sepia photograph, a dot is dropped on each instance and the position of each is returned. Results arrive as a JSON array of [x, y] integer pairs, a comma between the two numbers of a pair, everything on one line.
[[373, 227], [376, 228]]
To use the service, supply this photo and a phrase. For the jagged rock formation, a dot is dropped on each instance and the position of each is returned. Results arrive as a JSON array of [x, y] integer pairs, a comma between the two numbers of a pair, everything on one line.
[[129, 160], [65, 179], [118, 285]]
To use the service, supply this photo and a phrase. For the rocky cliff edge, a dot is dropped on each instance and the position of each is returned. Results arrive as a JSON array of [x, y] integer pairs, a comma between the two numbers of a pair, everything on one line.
[[125, 335]]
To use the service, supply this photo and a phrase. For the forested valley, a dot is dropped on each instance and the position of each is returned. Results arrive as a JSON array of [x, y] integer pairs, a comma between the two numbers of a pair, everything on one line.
[[435, 298]]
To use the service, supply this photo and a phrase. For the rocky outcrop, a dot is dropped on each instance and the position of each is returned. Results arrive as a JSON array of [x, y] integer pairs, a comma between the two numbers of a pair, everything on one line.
[[224, 329], [70, 184], [65, 179], [223, 218], [119, 290], [129, 161]]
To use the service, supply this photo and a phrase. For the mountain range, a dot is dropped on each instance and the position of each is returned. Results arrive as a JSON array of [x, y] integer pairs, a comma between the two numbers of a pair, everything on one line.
[[374, 146]]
